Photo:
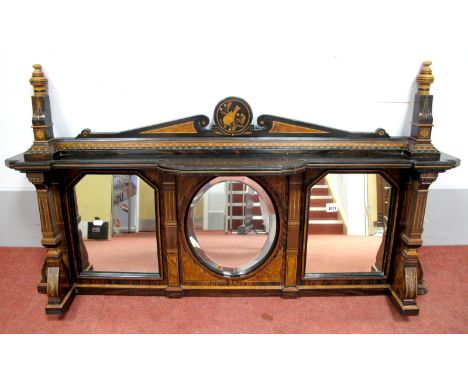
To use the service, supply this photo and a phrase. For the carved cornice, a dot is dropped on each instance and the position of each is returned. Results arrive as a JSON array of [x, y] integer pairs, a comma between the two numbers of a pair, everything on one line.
[[36, 178], [201, 144], [427, 178], [46, 147], [422, 149]]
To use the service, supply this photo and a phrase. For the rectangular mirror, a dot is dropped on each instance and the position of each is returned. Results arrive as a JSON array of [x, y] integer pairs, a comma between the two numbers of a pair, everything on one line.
[[116, 219], [347, 223]]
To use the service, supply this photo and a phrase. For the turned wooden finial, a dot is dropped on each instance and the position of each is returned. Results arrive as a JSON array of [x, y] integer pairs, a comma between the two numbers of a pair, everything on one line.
[[425, 78], [41, 118], [38, 81], [421, 124]]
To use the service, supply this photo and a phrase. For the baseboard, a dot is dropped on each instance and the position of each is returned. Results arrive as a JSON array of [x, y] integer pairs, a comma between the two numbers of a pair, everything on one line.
[[446, 221]]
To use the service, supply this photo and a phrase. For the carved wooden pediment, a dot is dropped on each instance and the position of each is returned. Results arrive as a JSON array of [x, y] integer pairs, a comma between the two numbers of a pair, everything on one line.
[[232, 117]]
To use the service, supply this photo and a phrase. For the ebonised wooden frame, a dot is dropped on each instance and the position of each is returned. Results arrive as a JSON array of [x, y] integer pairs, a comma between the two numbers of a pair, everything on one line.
[[176, 158]]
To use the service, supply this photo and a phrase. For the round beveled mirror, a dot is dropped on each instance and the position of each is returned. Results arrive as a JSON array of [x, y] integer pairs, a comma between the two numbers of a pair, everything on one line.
[[231, 225]]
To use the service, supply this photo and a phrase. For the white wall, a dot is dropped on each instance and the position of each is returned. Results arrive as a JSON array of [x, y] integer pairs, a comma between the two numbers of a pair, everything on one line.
[[120, 65], [349, 191], [214, 205]]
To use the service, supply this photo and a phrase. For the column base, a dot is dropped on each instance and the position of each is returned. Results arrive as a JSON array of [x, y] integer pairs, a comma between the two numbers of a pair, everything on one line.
[[174, 292], [290, 292], [406, 308], [61, 308]]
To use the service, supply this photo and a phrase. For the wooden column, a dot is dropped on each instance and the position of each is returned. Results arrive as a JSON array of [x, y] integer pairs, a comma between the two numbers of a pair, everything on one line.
[[404, 286], [290, 289], [169, 233], [54, 187], [56, 274], [420, 143]]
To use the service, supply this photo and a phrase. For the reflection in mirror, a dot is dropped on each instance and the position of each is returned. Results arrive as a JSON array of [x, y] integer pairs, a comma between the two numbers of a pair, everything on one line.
[[231, 225], [348, 218], [117, 225]]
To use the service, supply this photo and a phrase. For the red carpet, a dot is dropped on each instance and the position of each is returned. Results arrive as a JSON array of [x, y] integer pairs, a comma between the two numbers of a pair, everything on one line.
[[134, 252], [443, 310], [231, 250], [325, 253]]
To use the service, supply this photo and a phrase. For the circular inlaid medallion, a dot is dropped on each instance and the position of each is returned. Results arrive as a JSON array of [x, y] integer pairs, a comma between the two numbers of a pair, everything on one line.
[[233, 116]]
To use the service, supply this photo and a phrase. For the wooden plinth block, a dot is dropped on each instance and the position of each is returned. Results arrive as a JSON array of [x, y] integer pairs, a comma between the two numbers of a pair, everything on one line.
[[290, 292], [403, 307], [174, 292], [58, 309]]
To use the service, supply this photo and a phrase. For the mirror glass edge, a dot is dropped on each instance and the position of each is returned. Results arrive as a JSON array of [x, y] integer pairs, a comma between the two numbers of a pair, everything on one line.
[[72, 205], [389, 238], [272, 240]]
